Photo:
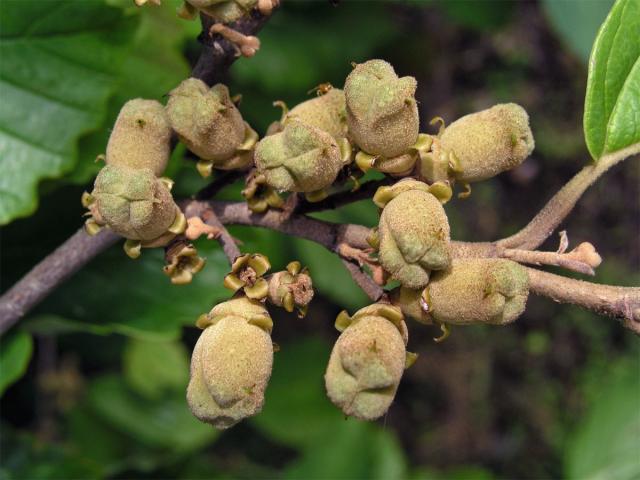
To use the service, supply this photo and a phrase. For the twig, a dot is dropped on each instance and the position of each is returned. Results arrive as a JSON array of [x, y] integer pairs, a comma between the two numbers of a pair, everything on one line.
[[223, 236], [561, 204], [583, 259], [364, 281], [618, 302]]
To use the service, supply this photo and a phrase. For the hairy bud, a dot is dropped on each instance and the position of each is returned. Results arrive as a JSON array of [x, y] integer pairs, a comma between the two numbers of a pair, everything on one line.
[[141, 137], [489, 142], [381, 109], [231, 363], [413, 233], [301, 158], [326, 112], [209, 124], [133, 202], [222, 11], [478, 290], [367, 361]]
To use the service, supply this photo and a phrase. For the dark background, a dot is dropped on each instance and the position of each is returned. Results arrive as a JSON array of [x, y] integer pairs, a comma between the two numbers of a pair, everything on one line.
[[554, 395]]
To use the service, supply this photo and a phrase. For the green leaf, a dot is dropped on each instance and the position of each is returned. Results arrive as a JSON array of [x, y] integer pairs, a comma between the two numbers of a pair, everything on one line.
[[59, 66], [135, 298], [15, 353], [605, 444], [612, 104], [165, 423], [152, 368], [577, 22]]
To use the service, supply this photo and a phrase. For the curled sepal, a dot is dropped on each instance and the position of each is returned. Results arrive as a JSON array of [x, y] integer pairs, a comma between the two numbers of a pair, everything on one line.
[[132, 248], [414, 303], [231, 363], [410, 359], [441, 190], [247, 274], [367, 362], [259, 195], [486, 290], [92, 227], [291, 289], [182, 263]]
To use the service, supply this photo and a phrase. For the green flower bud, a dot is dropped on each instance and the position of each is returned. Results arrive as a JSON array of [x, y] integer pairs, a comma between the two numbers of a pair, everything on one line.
[[489, 142], [413, 233], [413, 303], [210, 125], [381, 109], [301, 158], [223, 11], [291, 288], [141, 137], [247, 274], [231, 363], [367, 361], [133, 202], [478, 290], [326, 112]]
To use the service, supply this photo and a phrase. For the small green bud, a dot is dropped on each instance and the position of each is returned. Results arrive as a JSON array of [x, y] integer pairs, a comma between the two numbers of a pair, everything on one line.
[[209, 124], [413, 303], [382, 113], [326, 112], [301, 158], [291, 288], [413, 233], [489, 142], [478, 290], [231, 363], [367, 362], [133, 202], [141, 137], [222, 11]]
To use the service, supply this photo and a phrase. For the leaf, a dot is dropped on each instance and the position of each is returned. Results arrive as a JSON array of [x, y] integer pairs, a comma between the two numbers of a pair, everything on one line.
[[483, 16], [15, 353], [59, 64], [612, 103], [165, 423], [152, 368], [605, 444], [577, 23], [135, 298]]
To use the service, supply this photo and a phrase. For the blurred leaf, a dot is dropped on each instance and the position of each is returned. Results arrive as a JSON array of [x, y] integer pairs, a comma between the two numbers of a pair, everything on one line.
[[297, 411], [59, 64], [15, 353], [605, 444], [612, 103], [165, 423], [353, 450], [466, 472], [485, 15], [135, 298], [577, 22], [154, 66], [152, 368]]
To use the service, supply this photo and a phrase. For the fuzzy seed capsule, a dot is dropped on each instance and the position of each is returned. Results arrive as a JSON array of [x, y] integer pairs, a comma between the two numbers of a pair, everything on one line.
[[133, 202], [208, 123], [489, 142], [478, 290], [141, 137], [414, 235], [301, 158], [326, 112], [231, 363], [367, 362], [382, 113]]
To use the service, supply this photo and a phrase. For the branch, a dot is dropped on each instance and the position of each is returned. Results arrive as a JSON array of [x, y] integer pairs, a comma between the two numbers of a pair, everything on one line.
[[618, 302], [227, 242], [556, 210], [364, 281]]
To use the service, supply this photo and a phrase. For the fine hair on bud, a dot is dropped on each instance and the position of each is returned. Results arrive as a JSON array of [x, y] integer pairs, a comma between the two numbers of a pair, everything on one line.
[[301, 158], [206, 120], [382, 113], [133, 202], [478, 290], [367, 362], [141, 137], [231, 363], [414, 236], [489, 142], [326, 112]]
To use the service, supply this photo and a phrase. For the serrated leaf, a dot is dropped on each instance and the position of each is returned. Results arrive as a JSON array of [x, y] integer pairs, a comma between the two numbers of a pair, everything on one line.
[[15, 353], [59, 65], [612, 103]]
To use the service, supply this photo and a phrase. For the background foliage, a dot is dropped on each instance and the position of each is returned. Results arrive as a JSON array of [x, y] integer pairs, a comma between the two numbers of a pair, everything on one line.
[[93, 381]]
